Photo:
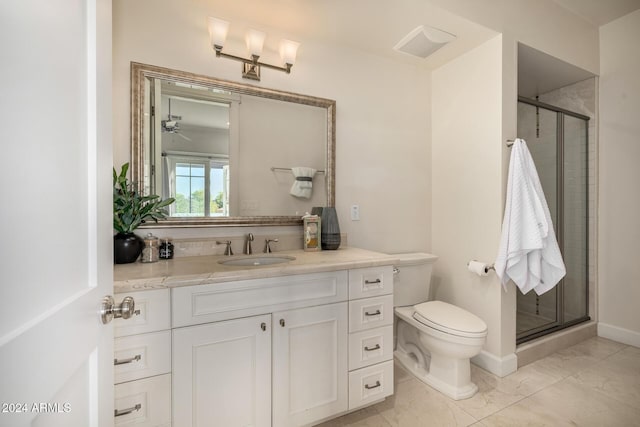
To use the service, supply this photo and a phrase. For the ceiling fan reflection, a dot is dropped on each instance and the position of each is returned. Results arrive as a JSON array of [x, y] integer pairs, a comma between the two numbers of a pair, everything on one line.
[[171, 125]]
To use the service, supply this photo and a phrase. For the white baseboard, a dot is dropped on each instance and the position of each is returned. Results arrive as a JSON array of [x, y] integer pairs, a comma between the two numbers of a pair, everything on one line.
[[500, 366], [616, 333]]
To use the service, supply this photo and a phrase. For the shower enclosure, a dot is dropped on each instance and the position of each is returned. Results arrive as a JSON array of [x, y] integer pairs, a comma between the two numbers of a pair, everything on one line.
[[558, 142]]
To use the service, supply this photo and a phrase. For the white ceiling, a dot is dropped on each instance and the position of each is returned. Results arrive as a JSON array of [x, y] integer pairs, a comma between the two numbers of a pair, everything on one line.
[[379, 24], [372, 26], [600, 12], [540, 73]]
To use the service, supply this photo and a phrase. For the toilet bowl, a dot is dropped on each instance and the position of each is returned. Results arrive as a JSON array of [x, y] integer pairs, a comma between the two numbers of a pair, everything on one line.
[[434, 340]]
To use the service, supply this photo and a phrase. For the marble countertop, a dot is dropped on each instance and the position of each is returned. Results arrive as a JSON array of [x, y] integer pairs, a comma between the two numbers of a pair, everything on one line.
[[198, 270]]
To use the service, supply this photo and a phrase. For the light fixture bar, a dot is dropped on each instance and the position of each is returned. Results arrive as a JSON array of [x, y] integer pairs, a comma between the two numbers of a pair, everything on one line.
[[255, 39]]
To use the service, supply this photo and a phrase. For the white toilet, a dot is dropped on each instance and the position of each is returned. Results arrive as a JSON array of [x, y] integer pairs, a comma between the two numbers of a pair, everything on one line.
[[434, 340]]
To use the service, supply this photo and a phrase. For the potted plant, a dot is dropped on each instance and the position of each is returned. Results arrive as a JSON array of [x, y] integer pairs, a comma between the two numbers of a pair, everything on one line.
[[130, 209]]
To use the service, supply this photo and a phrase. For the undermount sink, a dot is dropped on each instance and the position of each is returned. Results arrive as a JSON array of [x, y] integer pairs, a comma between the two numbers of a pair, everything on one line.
[[257, 260]]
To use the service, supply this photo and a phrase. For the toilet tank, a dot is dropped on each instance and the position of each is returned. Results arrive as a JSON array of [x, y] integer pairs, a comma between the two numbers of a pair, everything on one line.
[[412, 282]]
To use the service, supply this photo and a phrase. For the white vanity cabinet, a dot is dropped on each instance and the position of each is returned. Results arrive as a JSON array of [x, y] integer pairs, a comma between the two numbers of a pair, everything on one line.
[[292, 350], [310, 369], [282, 360], [142, 359], [370, 335], [222, 372]]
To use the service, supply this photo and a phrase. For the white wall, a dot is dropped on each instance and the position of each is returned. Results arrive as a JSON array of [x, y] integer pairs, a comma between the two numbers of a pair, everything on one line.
[[467, 187], [619, 204], [383, 148]]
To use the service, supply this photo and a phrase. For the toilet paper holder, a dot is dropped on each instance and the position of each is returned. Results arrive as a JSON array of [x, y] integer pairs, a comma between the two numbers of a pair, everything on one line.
[[480, 268]]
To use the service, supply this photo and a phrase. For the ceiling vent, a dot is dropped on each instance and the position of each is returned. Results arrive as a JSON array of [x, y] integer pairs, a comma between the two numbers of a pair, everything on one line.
[[423, 41]]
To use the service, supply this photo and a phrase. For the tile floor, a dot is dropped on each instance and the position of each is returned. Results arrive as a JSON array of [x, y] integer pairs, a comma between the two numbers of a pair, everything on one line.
[[593, 383]]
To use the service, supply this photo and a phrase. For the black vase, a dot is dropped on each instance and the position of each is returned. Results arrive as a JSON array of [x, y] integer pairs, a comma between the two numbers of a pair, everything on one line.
[[329, 229], [127, 247]]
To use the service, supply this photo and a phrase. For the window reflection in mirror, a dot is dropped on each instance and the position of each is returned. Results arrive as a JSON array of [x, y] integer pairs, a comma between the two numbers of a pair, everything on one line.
[[189, 142]]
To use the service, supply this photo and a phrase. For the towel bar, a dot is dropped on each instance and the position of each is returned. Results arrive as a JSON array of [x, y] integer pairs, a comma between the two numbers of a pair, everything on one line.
[[288, 169]]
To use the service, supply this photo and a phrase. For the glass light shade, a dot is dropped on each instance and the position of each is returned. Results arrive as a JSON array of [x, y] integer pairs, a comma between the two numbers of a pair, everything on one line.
[[255, 41], [218, 31], [288, 51]]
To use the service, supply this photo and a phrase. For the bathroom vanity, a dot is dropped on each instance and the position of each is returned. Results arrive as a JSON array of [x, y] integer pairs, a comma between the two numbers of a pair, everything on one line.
[[286, 344]]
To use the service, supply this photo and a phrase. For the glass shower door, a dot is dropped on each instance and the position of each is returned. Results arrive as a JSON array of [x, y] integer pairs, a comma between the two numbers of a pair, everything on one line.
[[538, 127], [576, 232], [558, 142]]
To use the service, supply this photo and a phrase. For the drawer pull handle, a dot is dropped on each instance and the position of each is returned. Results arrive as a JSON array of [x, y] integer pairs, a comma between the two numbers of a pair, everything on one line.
[[375, 313], [119, 413], [263, 326], [135, 358], [377, 347], [372, 282], [369, 387]]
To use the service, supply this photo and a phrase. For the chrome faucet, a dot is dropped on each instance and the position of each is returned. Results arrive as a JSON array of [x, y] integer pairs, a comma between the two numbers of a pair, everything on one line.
[[247, 244], [267, 245], [227, 250]]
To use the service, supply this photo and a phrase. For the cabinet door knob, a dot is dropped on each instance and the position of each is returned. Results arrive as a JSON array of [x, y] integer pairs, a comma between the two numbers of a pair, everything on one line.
[[263, 326], [282, 322]]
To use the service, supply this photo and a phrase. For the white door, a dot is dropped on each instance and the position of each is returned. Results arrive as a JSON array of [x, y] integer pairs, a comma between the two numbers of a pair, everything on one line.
[[310, 369], [56, 357], [222, 373]]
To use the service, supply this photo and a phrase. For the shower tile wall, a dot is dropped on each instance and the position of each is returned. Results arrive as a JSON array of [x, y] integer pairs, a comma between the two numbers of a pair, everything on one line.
[[580, 98]]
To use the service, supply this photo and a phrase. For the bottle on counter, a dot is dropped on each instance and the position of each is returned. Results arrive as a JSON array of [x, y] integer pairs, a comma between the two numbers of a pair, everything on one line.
[[166, 249]]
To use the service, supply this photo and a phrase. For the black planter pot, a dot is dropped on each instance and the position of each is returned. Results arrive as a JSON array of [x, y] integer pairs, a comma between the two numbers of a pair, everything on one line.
[[127, 247]]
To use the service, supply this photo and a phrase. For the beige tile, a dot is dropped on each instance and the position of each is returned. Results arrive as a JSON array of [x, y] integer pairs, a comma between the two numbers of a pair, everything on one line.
[[400, 374], [597, 347], [570, 361], [617, 377], [567, 403], [492, 394], [415, 404], [367, 417]]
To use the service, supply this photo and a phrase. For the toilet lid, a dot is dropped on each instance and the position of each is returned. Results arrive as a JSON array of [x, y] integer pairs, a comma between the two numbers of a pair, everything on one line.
[[449, 319]]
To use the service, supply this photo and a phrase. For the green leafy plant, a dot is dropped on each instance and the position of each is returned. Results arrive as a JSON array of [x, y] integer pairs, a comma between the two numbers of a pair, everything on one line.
[[130, 208]]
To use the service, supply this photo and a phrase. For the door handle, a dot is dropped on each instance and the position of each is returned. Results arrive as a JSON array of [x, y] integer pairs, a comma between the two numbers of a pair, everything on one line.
[[109, 310]]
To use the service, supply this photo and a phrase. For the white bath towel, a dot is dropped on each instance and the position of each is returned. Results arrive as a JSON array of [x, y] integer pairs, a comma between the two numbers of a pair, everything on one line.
[[529, 253], [303, 185]]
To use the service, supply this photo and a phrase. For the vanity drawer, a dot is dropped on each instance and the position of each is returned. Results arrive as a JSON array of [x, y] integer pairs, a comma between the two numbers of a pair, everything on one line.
[[193, 305], [154, 313], [144, 402], [370, 384], [140, 356], [370, 347], [370, 282], [370, 313]]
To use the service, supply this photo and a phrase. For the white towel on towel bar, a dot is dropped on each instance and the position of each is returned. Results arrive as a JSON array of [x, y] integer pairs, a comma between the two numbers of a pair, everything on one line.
[[303, 185], [529, 253]]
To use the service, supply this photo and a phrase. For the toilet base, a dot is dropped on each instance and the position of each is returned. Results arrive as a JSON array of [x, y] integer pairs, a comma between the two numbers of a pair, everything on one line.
[[456, 393]]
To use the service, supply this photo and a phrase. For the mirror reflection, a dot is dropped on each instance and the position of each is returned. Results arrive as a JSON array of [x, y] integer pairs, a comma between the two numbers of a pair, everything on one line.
[[225, 151]]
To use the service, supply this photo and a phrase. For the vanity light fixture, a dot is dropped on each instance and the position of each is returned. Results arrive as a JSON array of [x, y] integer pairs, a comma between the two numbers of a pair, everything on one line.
[[255, 41]]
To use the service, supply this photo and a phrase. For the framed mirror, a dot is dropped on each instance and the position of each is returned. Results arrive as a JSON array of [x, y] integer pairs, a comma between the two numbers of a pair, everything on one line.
[[228, 151]]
